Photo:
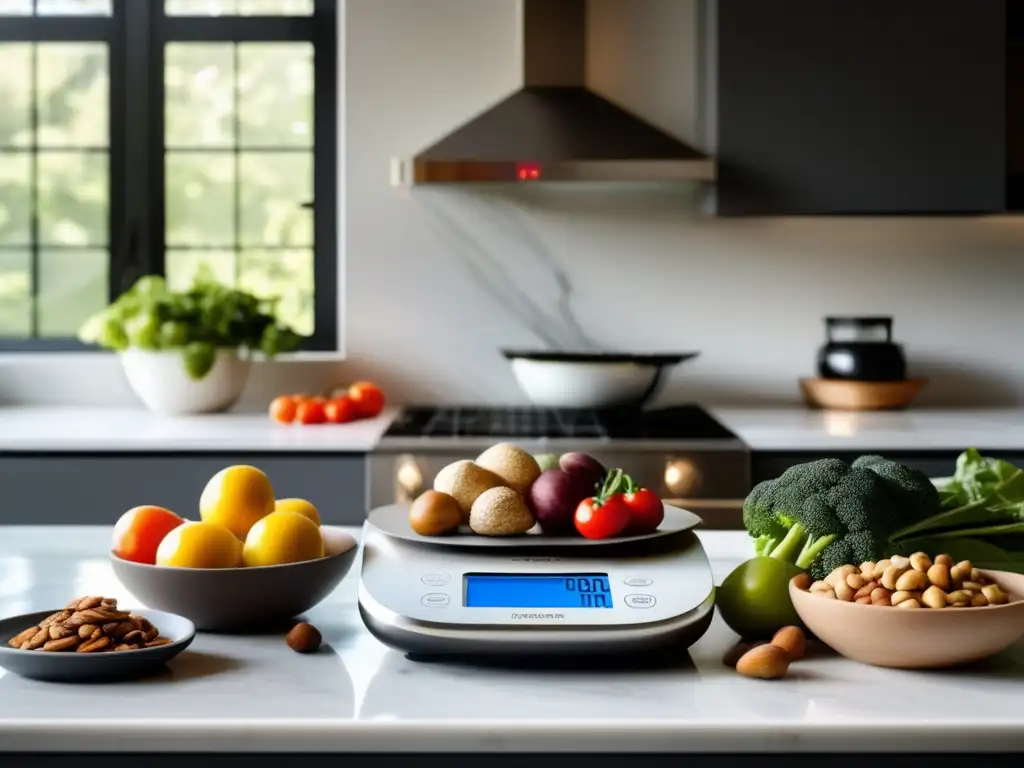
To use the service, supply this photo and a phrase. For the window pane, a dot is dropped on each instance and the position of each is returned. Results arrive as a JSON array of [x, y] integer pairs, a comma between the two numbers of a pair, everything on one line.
[[273, 186], [72, 286], [15, 198], [15, 94], [200, 199], [275, 94], [73, 95], [284, 274], [15, 8], [74, 7], [200, 99], [235, 7], [15, 293], [73, 198], [182, 267]]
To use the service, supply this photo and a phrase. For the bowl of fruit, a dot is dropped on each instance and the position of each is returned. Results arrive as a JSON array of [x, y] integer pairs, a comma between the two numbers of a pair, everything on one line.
[[251, 560]]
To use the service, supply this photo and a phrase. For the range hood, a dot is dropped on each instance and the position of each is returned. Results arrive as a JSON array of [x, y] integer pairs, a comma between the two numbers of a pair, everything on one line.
[[554, 128]]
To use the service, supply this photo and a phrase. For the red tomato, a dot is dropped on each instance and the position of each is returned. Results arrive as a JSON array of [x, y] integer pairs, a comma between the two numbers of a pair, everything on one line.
[[311, 412], [341, 410], [283, 409], [139, 532], [602, 521], [645, 510], [368, 398]]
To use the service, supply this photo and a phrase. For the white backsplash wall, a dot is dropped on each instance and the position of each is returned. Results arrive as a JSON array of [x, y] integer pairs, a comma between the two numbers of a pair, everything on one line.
[[437, 281]]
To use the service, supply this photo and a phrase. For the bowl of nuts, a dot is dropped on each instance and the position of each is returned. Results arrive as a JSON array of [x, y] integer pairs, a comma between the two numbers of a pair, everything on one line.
[[91, 639], [914, 612]]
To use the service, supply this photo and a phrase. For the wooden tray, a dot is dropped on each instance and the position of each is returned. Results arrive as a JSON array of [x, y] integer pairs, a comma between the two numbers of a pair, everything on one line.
[[844, 395]]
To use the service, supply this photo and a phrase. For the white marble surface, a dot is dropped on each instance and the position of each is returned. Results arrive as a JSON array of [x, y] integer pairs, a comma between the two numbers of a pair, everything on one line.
[[134, 429], [779, 429], [796, 429], [253, 693]]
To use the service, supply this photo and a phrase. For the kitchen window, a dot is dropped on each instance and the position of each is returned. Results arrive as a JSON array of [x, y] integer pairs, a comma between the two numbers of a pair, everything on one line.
[[165, 137]]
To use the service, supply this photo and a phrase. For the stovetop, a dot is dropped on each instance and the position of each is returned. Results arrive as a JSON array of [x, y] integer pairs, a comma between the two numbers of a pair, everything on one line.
[[685, 422]]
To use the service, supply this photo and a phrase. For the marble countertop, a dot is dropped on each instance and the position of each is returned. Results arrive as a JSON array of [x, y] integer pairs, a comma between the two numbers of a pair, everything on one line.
[[802, 429], [776, 429], [99, 430], [254, 694]]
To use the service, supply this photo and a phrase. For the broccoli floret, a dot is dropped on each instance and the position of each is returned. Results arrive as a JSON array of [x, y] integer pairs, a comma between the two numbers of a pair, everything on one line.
[[827, 513], [915, 496]]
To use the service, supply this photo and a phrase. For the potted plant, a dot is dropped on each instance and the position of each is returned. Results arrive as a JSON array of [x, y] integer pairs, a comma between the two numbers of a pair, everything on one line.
[[188, 351]]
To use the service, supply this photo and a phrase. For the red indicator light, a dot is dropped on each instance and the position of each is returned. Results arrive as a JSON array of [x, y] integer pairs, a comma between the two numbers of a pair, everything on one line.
[[528, 171]]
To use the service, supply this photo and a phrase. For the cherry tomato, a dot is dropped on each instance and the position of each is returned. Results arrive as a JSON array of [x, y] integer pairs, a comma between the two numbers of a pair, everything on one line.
[[645, 510], [368, 398], [595, 520], [139, 531], [283, 409], [311, 412], [341, 410]]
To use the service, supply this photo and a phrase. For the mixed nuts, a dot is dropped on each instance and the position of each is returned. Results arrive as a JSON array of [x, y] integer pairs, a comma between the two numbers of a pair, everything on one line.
[[911, 582], [90, 625]]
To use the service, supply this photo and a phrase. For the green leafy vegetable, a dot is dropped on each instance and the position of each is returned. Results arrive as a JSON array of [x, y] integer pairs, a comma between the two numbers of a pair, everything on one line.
[[197, 322]]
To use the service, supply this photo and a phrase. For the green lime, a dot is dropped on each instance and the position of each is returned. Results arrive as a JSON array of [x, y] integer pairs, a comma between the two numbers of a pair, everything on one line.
[[754, 599]]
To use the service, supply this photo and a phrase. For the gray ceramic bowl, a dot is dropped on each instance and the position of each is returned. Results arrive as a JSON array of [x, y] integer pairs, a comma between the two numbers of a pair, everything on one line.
[[238, 599], [93, 667]]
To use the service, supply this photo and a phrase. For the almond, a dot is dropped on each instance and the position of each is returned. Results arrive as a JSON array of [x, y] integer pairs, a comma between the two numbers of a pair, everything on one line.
[[792, 640], [766, 662]]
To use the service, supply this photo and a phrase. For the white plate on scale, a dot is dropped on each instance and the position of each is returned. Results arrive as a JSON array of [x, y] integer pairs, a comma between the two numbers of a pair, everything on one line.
[[470, 595]]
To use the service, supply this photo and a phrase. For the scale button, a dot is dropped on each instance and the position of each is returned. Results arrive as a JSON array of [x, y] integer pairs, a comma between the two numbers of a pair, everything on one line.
[[637, 581], [640, 601], [437, 600], [435, 579]]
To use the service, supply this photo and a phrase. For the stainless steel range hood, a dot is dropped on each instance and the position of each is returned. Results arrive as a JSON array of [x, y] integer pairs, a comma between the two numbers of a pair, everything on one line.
[[554, 128]]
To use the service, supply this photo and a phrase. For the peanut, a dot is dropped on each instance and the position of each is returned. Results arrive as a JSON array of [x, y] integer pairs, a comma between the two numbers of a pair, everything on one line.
[[912, 603], [976, 575], [970, 585], [901, 562], [829, 593], [945, 560], [889, 577], [958, 598], [919, 561], [979, 601], [911, 581], [960, 572], [881, 596], [934, 597], [840, 574], [994, 594], [898, 598], [867, 568], [856, 581], [844, 591], [865, 600], [938, 575], [866, 590]]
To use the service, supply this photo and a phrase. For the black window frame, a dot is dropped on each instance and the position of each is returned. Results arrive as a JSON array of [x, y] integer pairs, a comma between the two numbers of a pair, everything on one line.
[[136, 34]]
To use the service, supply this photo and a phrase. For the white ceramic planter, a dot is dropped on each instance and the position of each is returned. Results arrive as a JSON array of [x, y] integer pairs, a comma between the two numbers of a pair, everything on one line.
[[160, 381]]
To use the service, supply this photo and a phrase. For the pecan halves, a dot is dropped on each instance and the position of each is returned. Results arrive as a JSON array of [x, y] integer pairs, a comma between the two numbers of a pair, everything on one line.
[[91, 624]]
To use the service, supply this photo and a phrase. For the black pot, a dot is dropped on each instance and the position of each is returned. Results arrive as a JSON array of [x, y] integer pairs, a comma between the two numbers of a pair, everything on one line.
[[861, 349]]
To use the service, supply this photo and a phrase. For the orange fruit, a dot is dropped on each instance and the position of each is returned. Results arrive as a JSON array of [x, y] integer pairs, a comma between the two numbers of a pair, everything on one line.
[[236, 498], [282, 537], [303, 507], [200, 545]]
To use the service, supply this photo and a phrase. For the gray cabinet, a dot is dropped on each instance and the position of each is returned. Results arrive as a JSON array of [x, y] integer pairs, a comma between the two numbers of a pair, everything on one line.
[[77, 489], [835, 107]]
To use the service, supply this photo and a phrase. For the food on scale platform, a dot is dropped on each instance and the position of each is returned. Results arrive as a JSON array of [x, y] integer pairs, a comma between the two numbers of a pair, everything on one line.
[[507, 492], [435, 514], [90, 625], [911, 582], [464, 481], [241, 525]]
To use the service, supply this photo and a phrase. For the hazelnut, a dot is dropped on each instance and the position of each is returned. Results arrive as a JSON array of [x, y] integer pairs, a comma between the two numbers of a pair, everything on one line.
[[304, 638]]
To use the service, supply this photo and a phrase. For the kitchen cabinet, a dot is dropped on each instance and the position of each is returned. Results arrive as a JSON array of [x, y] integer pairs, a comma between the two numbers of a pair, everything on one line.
[[94, 489], [1015, 107], [873, 107]]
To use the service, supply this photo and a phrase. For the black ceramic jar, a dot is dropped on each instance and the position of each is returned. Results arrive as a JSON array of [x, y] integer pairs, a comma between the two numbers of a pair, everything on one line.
[[861, 349]]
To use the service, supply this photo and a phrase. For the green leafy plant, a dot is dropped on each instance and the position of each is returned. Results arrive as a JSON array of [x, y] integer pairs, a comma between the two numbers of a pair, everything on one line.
[[197, 322]]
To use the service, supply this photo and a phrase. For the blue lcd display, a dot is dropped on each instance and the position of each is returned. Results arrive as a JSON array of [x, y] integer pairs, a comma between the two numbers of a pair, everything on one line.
[[570, 590]]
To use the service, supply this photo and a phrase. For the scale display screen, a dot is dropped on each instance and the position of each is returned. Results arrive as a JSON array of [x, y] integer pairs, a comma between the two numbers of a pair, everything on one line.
[[568, 590]]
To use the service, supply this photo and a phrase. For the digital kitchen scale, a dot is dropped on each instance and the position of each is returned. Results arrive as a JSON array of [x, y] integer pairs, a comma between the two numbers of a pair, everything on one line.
[[470, 595]]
